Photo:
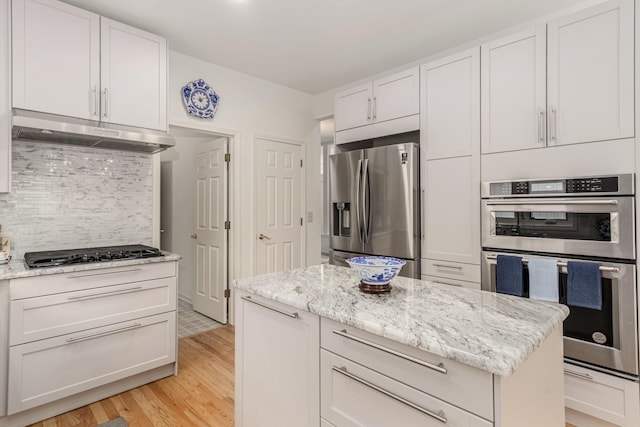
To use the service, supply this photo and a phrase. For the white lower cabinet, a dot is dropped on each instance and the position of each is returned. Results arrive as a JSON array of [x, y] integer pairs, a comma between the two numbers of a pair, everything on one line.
[[451, 282], [595, 399], [95, 332], [47, 370], [353, 395], [277, 358]]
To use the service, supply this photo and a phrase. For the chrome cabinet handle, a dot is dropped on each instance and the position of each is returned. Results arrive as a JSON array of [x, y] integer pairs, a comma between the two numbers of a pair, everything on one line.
[[102, 334], [368, 109], [94, 101], [553, 124], [263, 237], [78, 276], [438, 368], [440, 415], [578, 374], [375, 108], [277, 310], [550, 202], [448, 284], [453, 267], [105, 103], [104, 294], [541, 126]]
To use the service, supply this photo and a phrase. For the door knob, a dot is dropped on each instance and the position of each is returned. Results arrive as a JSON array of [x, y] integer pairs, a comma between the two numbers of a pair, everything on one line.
[[262, 237], [194, 236]]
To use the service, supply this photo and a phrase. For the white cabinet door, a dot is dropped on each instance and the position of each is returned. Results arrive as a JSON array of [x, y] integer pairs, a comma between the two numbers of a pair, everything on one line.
[[450, 97], [56, 58], [590, 74], [352, 107], [134, 69], [5, 98], [396, 96], [277, 358], [514, 91], [452, 197]]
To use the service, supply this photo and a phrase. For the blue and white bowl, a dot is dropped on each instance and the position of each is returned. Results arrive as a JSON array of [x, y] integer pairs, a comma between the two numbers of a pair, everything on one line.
[[376, 270]]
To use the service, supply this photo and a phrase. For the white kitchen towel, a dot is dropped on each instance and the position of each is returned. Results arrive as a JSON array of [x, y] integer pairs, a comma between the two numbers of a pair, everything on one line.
[[543, 279]]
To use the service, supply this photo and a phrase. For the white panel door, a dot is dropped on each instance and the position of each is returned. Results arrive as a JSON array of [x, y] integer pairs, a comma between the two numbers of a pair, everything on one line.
[[451, 105], [590, 76], [514, 91], [278, 206], [397, 95], [134, 69], [56, 58], [211, 234], [352, 107], [452, 198]]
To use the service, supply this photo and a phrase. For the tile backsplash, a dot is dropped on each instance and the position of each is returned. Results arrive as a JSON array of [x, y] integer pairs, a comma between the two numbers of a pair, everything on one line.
[[66, 197]]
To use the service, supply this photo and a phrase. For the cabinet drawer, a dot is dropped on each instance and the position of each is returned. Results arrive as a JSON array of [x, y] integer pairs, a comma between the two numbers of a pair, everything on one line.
[[352, 395], [451, 270], [47, 370], [452, 282], [28, 287], [600, 396], [456, 383], [53, 315]]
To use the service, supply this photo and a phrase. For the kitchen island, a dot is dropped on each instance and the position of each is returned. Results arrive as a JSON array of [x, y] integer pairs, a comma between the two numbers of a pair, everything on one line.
[[310, 341], [75, 334]]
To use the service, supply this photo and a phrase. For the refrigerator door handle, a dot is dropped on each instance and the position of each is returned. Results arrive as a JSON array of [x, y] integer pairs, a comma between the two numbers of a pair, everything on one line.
[[365, 209], [358, 215]]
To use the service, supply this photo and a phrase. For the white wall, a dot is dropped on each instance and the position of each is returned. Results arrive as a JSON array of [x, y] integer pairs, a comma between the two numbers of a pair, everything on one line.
[[249, 107]]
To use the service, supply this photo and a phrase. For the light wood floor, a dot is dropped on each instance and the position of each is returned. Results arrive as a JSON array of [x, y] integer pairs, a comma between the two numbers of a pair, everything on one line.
[[201, 394]]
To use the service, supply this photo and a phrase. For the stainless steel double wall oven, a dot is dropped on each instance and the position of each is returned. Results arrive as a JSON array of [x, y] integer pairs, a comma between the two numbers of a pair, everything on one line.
[[587, 219]]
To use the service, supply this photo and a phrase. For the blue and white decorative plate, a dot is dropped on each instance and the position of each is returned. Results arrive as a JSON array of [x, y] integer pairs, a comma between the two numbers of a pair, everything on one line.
[[200, 99]]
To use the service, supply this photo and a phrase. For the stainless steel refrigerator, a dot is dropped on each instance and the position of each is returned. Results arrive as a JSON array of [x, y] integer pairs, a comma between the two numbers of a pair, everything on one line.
[[375, 205]]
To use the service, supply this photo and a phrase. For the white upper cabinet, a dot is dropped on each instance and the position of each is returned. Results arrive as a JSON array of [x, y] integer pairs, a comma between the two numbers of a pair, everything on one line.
[[451, 105], [570, 81], [590, 60], [382, 107], [134, 75], [5, 98], [72, 62]]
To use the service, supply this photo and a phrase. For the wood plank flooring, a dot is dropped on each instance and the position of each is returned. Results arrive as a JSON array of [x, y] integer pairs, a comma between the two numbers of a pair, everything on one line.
[[200, 396]]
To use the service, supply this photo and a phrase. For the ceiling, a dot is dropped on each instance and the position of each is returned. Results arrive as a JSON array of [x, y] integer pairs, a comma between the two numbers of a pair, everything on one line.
[[319, 45]]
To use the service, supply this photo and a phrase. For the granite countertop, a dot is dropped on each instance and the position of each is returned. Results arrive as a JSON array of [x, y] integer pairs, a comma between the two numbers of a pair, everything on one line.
[[485, 330], [16, 269]]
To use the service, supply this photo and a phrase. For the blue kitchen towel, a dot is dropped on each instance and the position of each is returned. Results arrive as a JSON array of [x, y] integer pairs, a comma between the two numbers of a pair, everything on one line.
[[509, 275], [584, 286], [543, 279]]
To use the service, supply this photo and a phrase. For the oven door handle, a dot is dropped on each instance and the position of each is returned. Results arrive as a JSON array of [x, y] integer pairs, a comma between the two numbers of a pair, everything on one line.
[[550, 202], [564, 264]]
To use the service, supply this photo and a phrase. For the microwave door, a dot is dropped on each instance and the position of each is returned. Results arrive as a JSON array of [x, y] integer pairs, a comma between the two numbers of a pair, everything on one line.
[[345, 182], [390, 201]]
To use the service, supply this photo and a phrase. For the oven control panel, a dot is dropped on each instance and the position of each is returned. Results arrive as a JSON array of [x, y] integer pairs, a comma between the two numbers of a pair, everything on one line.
[[620, 184]]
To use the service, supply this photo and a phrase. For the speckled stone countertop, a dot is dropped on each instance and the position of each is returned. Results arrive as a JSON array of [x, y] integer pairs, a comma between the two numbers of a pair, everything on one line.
[[489, 331], [16, 269]]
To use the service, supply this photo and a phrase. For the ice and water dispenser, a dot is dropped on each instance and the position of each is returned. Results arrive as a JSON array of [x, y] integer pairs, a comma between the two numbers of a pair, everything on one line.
[[342, 219]]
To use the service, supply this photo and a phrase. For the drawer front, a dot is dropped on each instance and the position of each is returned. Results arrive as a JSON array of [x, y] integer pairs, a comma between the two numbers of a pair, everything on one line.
[[352, 395], [29, 287], [455, 383], [452, 282], [47, 370], [601, 396], [53, 315], [451, 270]]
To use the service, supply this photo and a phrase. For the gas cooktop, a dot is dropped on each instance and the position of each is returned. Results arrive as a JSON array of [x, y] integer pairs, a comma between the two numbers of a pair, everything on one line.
[[88, 255]]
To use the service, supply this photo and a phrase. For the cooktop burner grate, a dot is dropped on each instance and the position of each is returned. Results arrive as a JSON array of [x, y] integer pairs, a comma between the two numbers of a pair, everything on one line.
[[88, 255]]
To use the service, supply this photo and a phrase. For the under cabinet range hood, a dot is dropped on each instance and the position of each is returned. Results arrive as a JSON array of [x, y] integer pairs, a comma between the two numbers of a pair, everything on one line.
[[52, 128]]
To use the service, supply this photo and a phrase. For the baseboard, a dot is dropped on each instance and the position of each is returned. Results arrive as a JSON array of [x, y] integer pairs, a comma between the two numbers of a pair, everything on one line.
[[185, 298]]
